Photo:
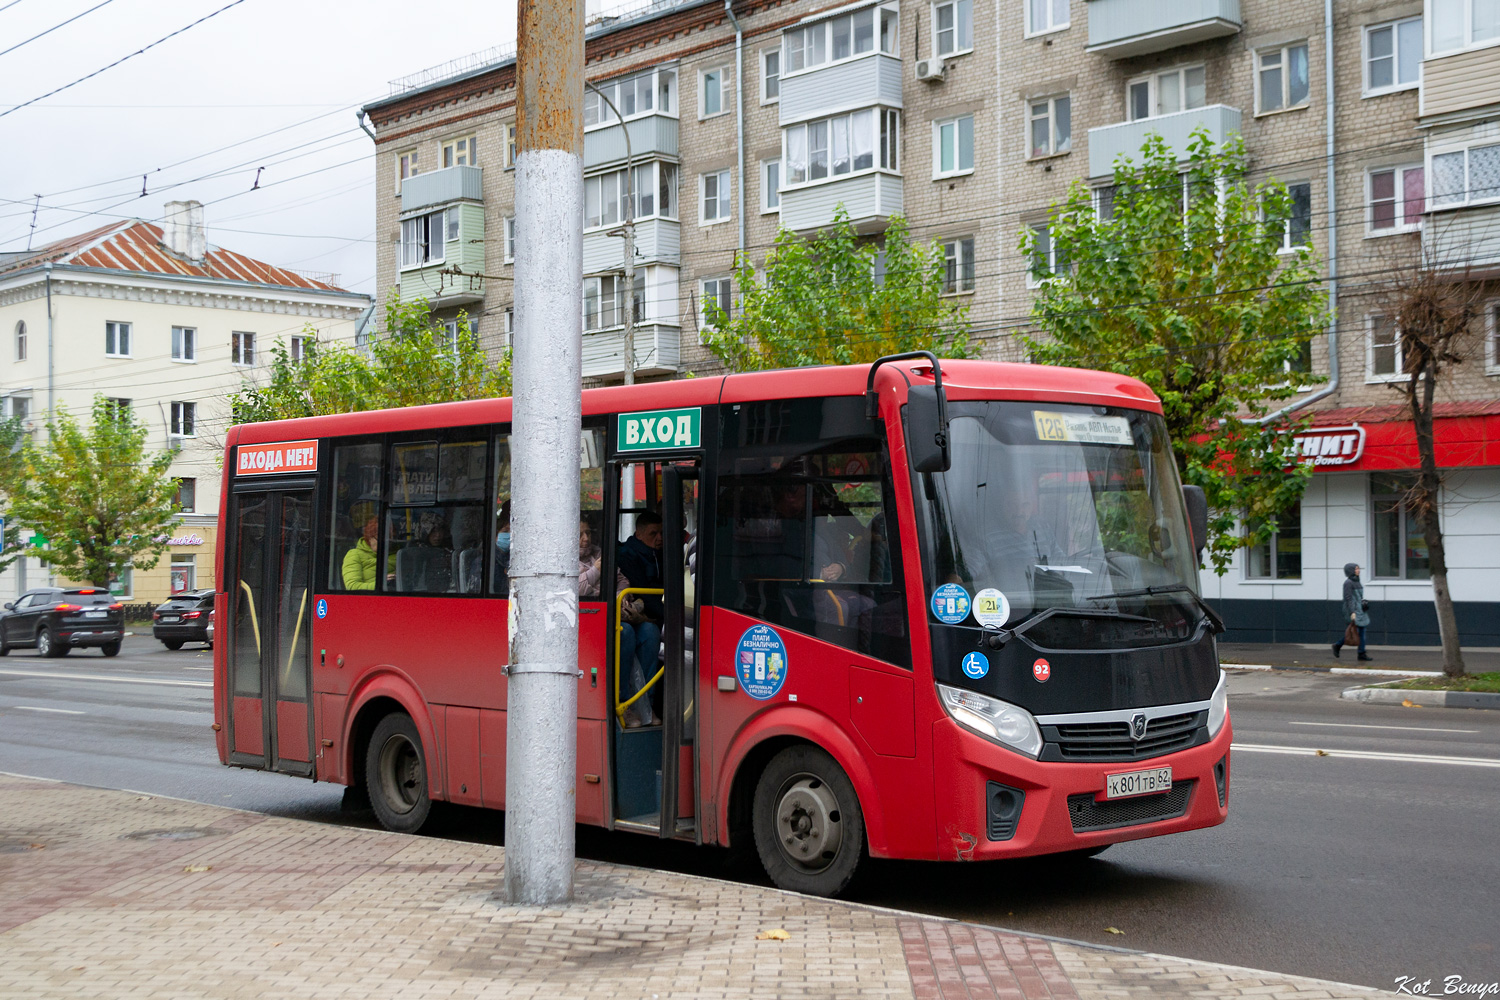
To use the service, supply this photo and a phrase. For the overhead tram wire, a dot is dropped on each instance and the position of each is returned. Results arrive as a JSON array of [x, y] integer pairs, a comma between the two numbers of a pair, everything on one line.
[[40, 34], [9, 6], [90, 76]]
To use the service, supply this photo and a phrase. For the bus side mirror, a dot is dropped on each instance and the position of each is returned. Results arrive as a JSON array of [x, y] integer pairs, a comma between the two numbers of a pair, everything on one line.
[[1197, 511], [926, 430]]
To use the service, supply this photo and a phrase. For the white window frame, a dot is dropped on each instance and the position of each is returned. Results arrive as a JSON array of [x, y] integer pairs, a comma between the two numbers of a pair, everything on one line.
[[725, 88], [604, 288], [1032, 279], [648, 184], [800, 37], [1033, 30], [1284, 52], [959, 170], [508, 324], [1399, 180], [960, 7], [408, 164], [190, 508], [1371, 377], [114, 332], [242, 349], [1466, 197], [958, 257], [1272, 544], [1396, 85], [878, 122], [770, 188], [411, 246], [17, 407], [1153, 92], [120, 405], [21, 343], [509, 245], [1056, 146], [662, 87], [1467, 43], [723, 290], [1287, 246], [184, 419], [464, 146], [1492, 337], [509, 154], [723, 197], [296, 348], [185, 345], [766, 76]]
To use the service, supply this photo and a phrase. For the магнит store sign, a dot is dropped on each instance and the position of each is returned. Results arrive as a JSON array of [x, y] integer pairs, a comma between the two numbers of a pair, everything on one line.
[[1331, 445]]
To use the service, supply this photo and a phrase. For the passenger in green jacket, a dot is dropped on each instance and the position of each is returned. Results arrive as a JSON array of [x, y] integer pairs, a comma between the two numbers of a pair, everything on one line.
[[361, 565]]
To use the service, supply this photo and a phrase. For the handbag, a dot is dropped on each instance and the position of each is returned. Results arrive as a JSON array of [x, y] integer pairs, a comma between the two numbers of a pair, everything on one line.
[[1351, 634]]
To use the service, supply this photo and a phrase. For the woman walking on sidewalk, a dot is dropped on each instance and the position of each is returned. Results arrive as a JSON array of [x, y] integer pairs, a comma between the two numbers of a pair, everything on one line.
[[1356, 610]]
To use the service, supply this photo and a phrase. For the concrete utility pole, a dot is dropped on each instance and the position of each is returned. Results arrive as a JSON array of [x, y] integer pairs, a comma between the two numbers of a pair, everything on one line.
[[541, 735]]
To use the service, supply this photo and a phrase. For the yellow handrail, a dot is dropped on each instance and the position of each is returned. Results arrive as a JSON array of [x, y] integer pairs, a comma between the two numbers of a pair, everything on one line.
[[254, 623], [619, 631], [286, 677]]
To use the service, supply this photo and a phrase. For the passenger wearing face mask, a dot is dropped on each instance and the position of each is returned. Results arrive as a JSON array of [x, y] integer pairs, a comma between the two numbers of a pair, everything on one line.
[[502, 551]]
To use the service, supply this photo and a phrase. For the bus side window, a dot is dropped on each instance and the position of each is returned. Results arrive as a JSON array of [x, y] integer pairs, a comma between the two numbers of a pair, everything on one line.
[[435, 517], [358, 472], [500, 526]]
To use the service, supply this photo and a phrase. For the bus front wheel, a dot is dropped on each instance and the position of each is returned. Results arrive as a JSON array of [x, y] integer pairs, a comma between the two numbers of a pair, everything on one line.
[[396, 775], [809, 830]]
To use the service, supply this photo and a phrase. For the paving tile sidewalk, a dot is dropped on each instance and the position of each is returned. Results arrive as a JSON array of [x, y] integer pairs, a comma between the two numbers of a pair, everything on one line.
[[113, 894]]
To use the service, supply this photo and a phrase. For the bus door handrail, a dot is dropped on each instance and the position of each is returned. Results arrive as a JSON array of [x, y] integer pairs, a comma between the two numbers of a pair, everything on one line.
[[619, 631]]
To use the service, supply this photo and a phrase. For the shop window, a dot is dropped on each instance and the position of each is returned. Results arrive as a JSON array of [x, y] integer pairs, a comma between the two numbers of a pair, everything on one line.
[[1280, 556], [1400, 547], [184, 573]]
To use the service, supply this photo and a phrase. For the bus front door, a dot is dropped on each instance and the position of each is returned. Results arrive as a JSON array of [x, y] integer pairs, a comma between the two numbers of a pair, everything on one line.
[[269, 632]]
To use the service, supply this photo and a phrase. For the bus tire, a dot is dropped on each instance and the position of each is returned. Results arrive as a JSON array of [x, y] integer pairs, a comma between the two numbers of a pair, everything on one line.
[[396, 774], [809, 830]]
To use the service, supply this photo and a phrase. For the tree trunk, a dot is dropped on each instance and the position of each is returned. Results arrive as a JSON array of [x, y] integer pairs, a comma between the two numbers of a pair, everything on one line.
[[1428, 487]]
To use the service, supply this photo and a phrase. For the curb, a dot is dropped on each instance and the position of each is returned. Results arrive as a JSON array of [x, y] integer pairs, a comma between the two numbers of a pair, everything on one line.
[[1424, 699], [1354, 671]]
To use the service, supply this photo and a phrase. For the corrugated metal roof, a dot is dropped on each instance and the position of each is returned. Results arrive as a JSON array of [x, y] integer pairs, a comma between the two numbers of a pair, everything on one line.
[[139, 247]]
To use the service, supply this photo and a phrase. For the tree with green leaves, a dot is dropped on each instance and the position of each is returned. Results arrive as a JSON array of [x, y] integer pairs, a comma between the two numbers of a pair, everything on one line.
[[101, 501], [12, 474], [826, 300], [1183, 279], [415, 361]]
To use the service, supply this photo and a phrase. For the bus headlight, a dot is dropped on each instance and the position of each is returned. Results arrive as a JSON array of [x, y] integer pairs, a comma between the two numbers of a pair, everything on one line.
[[1001, 722], [1218, 708]]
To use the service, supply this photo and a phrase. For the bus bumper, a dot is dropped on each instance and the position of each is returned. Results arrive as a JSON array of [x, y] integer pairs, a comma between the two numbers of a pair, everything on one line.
[[972, 804]]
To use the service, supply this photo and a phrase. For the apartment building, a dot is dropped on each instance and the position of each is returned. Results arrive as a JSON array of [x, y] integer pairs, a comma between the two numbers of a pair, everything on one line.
[[159, 320], [971, 118]]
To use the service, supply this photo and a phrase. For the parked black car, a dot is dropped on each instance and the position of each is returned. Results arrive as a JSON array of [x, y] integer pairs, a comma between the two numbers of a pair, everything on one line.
[[185, 618], [55, 619]]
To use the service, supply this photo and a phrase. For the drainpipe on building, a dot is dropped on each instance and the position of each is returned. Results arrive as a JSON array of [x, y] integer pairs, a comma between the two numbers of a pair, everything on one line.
[[360, 117], [1333, 236], [739, 119], [47, 274]]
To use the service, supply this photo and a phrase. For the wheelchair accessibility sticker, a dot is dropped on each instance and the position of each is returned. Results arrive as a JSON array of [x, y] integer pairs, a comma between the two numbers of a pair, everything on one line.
[[950, 603], [760, 660], [976, 665], [321, 608]]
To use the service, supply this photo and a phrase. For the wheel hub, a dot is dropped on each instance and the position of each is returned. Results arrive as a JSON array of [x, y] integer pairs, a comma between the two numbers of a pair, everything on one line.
[[401, 771], [808, 823]]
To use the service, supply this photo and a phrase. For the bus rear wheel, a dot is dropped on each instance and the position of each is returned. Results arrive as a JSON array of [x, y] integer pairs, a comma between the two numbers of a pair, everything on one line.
[[396, 775], [809, 830]]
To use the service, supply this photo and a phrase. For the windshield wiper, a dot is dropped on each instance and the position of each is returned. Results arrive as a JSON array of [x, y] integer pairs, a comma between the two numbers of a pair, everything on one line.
[[1172, 588], [995, 638]]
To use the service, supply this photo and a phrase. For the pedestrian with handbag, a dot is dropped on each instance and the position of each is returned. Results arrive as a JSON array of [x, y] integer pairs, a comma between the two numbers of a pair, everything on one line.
[[1356, 612]]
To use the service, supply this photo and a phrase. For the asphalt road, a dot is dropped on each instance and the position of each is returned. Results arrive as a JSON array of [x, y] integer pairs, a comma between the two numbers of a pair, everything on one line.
[[1353, 868]]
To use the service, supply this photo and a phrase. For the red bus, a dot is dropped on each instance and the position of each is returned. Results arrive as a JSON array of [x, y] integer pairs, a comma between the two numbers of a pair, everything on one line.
[[905, 612]]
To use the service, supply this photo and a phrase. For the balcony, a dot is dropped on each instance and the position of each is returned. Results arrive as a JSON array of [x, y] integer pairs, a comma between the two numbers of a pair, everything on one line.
[[1119, 29], [466, 254], [871, 199], [442, 187], [1460, 86], [651, 137], [656, 351], [842, 86], [1110, 141], [1463, 241], [656, 241]]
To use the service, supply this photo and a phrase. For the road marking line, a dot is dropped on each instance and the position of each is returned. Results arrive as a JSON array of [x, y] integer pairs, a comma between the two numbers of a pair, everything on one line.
[[103, 677], [1410, 758], [1411, 729], [36, 708]]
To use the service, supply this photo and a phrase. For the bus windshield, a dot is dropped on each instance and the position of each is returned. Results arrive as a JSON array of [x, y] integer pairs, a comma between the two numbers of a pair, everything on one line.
[[1064, 506]]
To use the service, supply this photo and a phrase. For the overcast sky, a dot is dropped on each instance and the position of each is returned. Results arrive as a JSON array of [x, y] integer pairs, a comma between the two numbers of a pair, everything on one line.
[[259, 66]]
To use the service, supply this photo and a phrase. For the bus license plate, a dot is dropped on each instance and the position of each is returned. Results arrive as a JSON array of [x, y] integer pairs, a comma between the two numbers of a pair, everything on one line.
[[1119, 786]]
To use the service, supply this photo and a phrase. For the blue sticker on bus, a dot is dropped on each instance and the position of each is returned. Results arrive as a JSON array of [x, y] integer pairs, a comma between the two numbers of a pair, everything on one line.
[[976, 665], [950, 603], [321, 608], [761, 663]]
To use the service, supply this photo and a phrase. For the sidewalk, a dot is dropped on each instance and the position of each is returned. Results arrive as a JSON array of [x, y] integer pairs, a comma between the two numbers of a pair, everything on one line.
[[1477, 660], [113, 894]]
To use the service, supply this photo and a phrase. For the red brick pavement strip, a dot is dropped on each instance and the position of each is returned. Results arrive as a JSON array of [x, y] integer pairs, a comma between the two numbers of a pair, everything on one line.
[[952, 961]]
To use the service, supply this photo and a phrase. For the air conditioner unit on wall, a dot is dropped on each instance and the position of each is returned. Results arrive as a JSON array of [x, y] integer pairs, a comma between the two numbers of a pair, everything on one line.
[[930, 69]]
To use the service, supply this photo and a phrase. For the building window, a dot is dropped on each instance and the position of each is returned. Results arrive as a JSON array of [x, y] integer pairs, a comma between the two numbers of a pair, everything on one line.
[[1400, 546], [714, 301], [654, 188], [462, 152], [604, 301], [17, 407], [509, 324], [890, 139], [117, 407], [1492, 338], [953, 142], [184, 343], [712, 84], [1383, 356], [1459, 24], [297, 347], [242, 348], [1296, 228], [1281, 78], [651, 92], [1465, 176], [422, 238], [1280, 556], [715, 188], [1045, 261], [21, 340], [117, 340], [186, 498], [182, 419], [510, 146], [839, 38], [770, 75], [184, 572], [453, 331], [958, 265], [406, 166], [510, 239], [833, 147], [1051, 126], [1166, 93], [1393, 56], [953, 26], [770, 185], [1397, 199], [123, 585], [1045, 15]]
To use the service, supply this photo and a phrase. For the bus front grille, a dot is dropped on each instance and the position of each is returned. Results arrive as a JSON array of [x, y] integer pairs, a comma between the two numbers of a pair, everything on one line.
[[1089, 814], [1108, 742]]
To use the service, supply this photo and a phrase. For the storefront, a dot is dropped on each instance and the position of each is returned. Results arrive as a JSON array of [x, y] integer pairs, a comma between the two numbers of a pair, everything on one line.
[[1289, 589]]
